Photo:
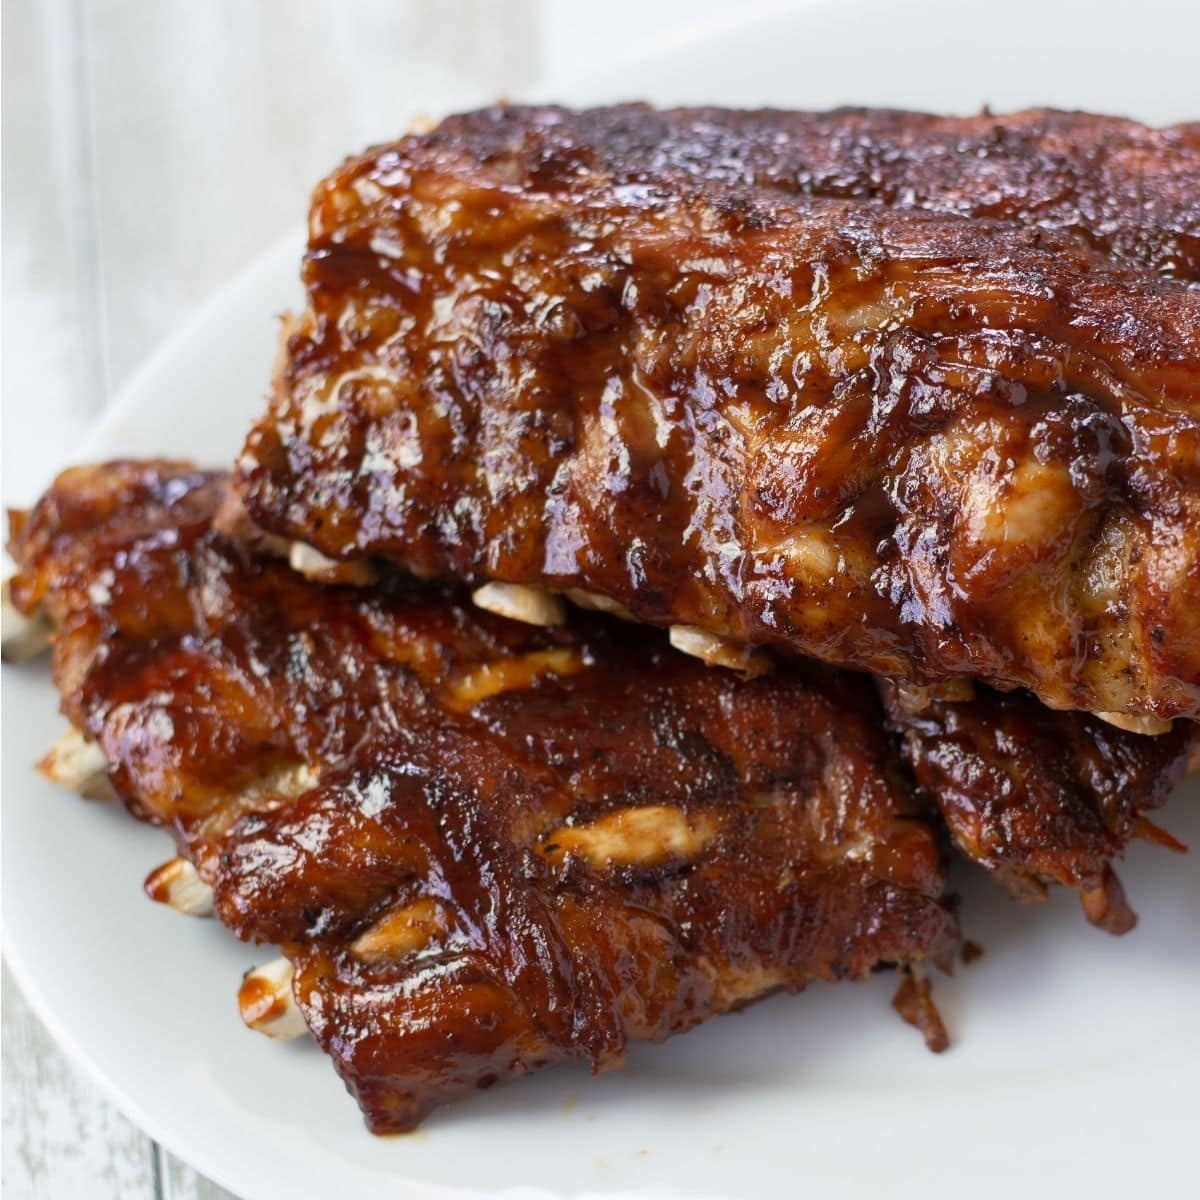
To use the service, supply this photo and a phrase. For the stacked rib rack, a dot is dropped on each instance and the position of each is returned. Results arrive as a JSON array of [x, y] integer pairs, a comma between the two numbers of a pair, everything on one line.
[[821, 393]]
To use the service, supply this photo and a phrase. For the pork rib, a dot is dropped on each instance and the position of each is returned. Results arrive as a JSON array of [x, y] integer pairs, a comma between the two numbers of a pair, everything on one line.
[[328, 757], [1040, 797], [484, 846], [630, 353]]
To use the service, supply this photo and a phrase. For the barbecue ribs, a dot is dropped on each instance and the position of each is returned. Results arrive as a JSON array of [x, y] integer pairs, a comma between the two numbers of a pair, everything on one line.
[[483, 846], [580, 833], [1040, 797], [912, 395]]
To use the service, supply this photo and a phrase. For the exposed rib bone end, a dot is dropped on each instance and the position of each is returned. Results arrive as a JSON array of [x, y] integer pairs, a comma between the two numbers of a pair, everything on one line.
[[402, 931], [1151, 726], [314, 565], [916, 698], [266, 1002], [512, 674], [634, 837], [178, 884], [21, 637], [79, 766], [598, 603], [719, 651], [533, 606]]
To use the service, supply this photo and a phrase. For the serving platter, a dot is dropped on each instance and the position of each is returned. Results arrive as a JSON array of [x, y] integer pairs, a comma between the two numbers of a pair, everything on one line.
[[1074, 1053]]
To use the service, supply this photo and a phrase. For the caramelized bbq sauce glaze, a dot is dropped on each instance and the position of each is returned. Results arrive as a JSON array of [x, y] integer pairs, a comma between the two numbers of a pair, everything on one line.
[[948, 427], [327, 757], [758, 833], [1039, 797]]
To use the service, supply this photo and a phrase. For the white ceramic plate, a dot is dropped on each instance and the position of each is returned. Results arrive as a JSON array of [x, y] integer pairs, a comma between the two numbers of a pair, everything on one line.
[[1074, 1057]]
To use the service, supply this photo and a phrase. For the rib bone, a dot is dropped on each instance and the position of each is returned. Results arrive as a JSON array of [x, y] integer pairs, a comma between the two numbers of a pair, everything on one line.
[[634, 837], [1151, 726], [312, 564], [1105, 905], [421, 123], [598, 603], [78, 765], [402, 931], [266, 1002], [718, 651], [512, 674], [21, 637], [533, 606], [916, 698], [178, 884]]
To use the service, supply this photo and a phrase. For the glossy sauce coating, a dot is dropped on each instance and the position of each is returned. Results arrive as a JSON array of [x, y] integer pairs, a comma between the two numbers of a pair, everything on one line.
[[948, 427], [485, 846], [620, 844], [1040, 797]]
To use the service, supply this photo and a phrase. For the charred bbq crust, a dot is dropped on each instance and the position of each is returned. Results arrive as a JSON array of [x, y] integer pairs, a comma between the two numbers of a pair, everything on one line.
[[311, 751], [610, 850], [913, 395], [1040, 797], [1121, 187]]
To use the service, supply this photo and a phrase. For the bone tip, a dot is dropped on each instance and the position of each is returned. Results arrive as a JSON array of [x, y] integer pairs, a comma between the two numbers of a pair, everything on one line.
[[21, 637], [596, 602], [402, 932], [718, 651], [79, 766], [1136, 723], [915, 699], [1192, 764], [178, 885], [266, 1002], [312, 564], [519, 602]]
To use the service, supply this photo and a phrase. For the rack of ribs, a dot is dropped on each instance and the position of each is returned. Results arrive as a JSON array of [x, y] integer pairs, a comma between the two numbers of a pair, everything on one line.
[[482, 846], [915, 396], [485, 845]]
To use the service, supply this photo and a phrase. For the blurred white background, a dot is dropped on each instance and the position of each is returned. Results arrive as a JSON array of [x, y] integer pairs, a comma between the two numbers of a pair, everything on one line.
[[151, 149]]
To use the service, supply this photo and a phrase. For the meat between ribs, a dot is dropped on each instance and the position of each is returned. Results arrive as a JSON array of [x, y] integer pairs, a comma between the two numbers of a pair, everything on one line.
[[483, 846], [948, 427], [486, 846]]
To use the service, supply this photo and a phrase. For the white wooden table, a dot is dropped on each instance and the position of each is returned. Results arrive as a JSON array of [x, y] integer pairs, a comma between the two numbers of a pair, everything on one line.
[[152, 148]]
